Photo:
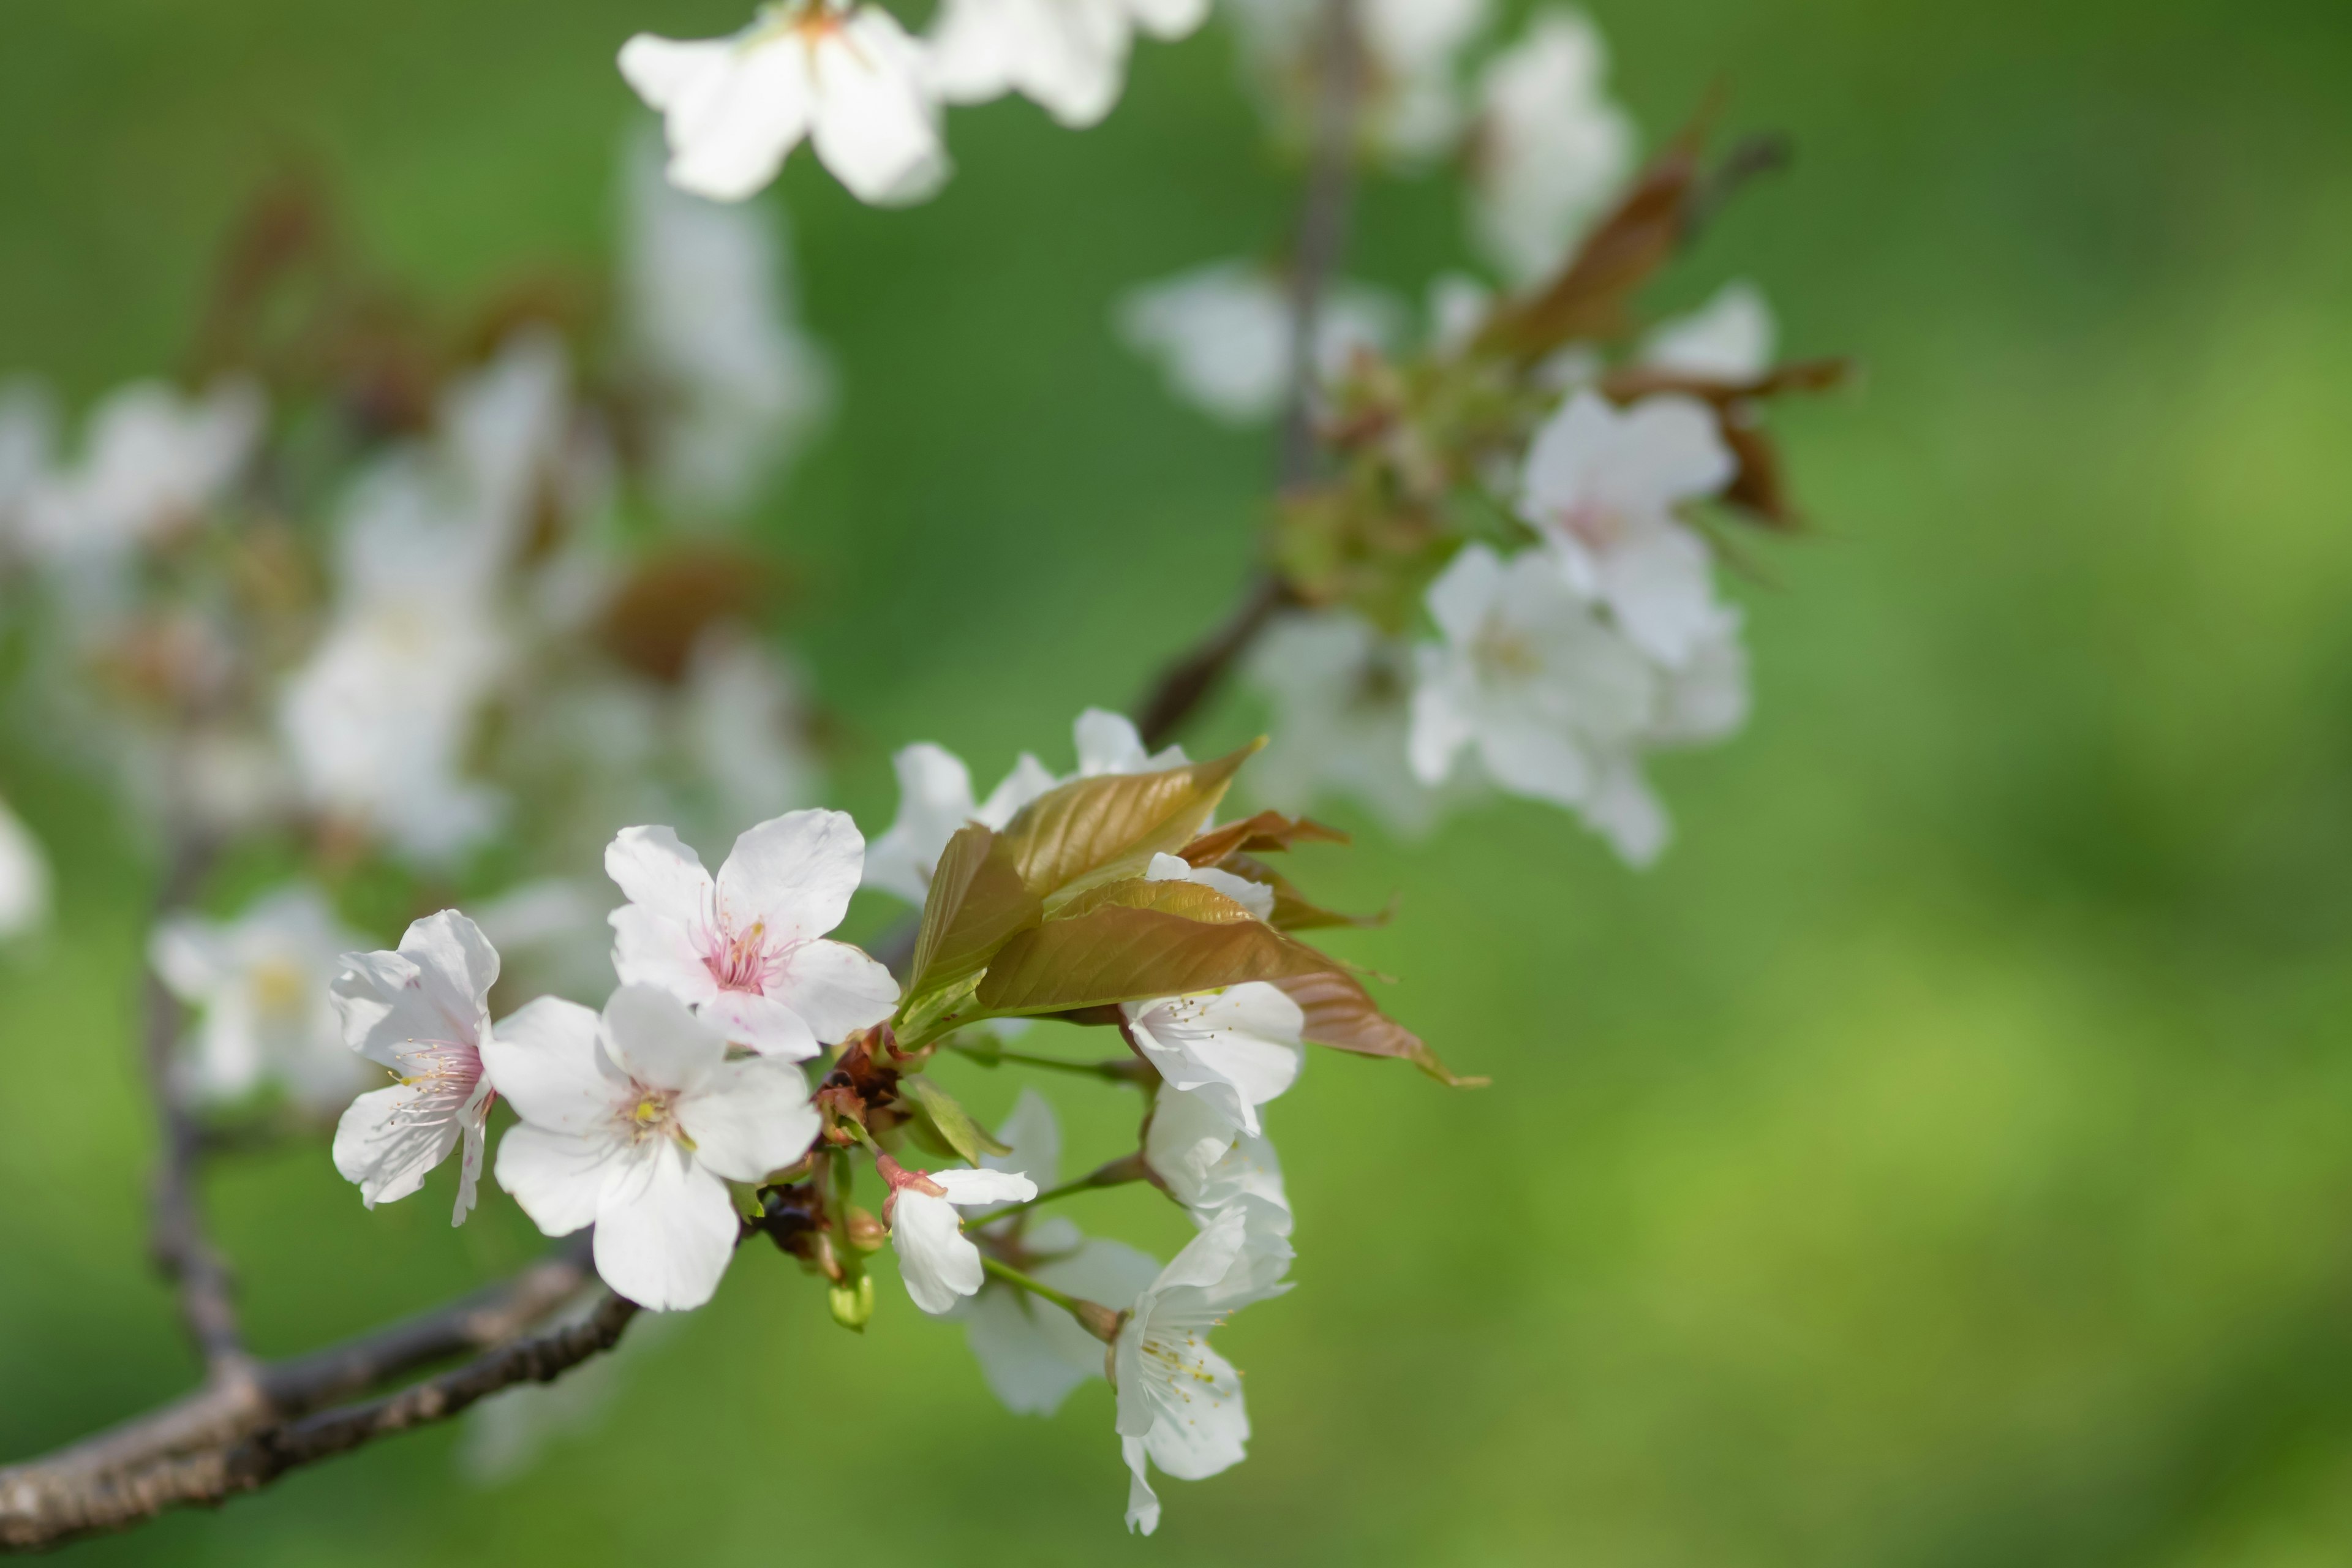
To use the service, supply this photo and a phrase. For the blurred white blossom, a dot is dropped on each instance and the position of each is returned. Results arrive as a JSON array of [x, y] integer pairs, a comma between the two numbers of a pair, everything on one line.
[[259, 984], [1551, 147], [1221, 335], [846, 76], [1603, 486], [1731, 338], [1341, 694], [25, 879], [743, 726], [1067, 56], [735, 385], [152, 462], [1412, 92]]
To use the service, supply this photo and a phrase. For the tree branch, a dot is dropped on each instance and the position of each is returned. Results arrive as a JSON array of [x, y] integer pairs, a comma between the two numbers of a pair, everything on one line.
[[1187, 681]]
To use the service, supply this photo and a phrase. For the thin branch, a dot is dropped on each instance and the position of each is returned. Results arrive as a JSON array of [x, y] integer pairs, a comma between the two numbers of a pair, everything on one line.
[[1187, 681]]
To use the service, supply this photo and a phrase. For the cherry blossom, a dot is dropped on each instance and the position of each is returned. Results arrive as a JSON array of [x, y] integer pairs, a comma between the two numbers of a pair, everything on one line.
[[424, 1012], [1728, 338], [1603, 486], [1551, 147], [738, 386], [260, 981], [846, 76], [1067, 56], [1180, 1403], [1221, 335], [24, 880], [153, 462], [1207, 1163], [938, 1262], [1234, 1049], [1411, 110], [1341, 697], [935, 799], [746, 949], [634, 1121]]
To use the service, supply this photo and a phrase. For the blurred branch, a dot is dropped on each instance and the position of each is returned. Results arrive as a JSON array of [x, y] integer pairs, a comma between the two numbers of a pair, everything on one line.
[[1187, 683], [237, 1435]]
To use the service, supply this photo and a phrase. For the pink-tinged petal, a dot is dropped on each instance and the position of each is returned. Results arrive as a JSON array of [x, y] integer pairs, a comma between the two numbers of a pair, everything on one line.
[[835, 988], [547, 1061], [383, 1146], [651, 949], [792, 876], [458, 966], [651, 1035], [750, 1118], [657, 872], [664, 1229], [936, 1262], [761, 1024], [558, 1178], [965, 1188]]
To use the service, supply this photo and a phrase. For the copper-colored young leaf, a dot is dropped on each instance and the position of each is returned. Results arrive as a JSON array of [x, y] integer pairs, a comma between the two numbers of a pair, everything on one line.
[[1190, 900], [1261, 834], [976, 903], [1342, 1015], [1117, 953], [1100, 829]]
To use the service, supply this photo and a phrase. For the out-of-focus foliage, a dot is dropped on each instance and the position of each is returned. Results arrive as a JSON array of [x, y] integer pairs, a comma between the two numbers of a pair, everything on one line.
[[1939, 1160]]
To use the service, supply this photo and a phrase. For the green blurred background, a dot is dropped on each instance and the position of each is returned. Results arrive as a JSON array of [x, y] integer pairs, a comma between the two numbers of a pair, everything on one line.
[[1944, 1158]]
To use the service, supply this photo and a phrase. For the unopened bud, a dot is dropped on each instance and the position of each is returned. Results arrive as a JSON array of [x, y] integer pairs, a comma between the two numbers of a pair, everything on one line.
[[866, 1233], [1100, 1320], [852, 1302]]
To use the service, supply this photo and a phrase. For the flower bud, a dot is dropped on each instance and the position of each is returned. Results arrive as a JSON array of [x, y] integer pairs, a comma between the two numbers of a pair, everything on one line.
[[866, 1233], [852, 1302]]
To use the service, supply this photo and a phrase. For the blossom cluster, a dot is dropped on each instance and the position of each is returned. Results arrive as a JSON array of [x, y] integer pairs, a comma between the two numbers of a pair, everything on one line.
[[679, 1119]]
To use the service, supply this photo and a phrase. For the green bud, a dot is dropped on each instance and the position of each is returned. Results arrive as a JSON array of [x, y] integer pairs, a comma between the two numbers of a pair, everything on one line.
[[852, 1302]]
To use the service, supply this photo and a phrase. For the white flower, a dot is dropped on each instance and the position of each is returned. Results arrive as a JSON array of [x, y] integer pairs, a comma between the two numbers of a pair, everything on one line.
[[1728, 338], [937, 1261], [1180, 1403], [25, 879], [1603, 487], [1340, 693], [1411, 98], [261, 983], [425, 1013], [846, 76], [1069, 55], [1108, 742], [1208, 1164], [1234, 1049], [1551, 147], [1221, 335], [1254, 896], [738, 386], [744, 724], [935, 800], [1032, 1354], [153, 462], [635, 1123], [746, 949], [1528, 676]]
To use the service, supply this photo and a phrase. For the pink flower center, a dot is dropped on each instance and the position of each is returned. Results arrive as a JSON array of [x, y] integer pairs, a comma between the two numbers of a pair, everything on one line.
[[446, 1074], [1594, 525], [743, 962]]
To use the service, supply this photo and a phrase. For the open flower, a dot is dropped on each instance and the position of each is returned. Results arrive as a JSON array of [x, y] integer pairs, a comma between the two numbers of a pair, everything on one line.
[[938, 1262], [425, 1013], [1221, 335], [260, 982], [635, 1123], [1602, 485], [1032, 1353], [1180, 1403], [1341, 695], [1551, 146], [1069, 55], [1234, 1049], [846, 76], [1208, 1164], [745, 950], [935, 799]]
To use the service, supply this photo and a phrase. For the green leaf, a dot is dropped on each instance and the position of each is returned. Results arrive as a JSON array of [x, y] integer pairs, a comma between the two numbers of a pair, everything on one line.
[[953, 1122], [1342, 1015], [978, 900], [1100, 829], [1190, 900], [1117, 952]]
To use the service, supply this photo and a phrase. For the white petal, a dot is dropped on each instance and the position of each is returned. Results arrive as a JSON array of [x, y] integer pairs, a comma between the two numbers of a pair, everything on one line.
[[1015, 1338], [969, 1187], [761, 1024], [1537, 761], [1187, 1137], [1661, 583], [1169, 18], [1025, 783], [836, 988], [457, 965], [653, 1037], [1729, 339], [661, 69], [1108, 742], [750, 1118], [1206, 1432], [1238, 1049], [935, 1260], [651, 949], [380, 1145], [1458, 601], [545, 1060], [731, 125], [874, 126], [476, 1124], [558, 1178], [1142, 1502], [1624, 809], [1443, 718], [934, 800], [661, 875], [664, 1229], [1669, 449], [792, 876]]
